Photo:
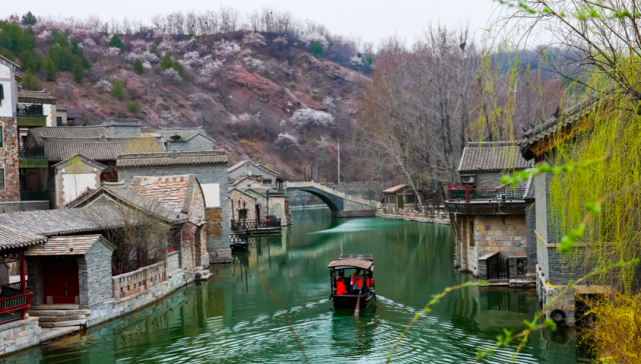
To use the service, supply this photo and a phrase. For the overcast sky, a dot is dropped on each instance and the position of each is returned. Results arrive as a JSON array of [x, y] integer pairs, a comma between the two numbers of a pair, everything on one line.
[[371, 20]]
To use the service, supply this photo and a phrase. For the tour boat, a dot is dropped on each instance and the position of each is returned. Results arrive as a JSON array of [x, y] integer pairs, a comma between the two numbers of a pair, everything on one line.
[[349, 293]]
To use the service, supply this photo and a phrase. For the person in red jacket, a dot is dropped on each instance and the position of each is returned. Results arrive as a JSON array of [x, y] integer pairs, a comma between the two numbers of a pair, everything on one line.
[[357, 280], [340, 285]]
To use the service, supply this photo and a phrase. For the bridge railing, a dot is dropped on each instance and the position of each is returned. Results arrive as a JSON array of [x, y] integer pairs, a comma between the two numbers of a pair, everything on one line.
[[330, 191]]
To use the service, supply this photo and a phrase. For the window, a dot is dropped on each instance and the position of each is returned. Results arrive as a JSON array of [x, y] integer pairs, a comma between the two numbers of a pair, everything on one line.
[[1, 93], [59, 120], [242, 214], [2, 187], [472, 233], [1, 136], [410, 198], [267, 181], [391, 199]]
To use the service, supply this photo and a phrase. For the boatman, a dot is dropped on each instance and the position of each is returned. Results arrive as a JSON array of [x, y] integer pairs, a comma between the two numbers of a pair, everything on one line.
[[341, 289]]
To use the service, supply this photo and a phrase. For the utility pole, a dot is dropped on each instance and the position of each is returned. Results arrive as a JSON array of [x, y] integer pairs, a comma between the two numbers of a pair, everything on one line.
[[339, 160]]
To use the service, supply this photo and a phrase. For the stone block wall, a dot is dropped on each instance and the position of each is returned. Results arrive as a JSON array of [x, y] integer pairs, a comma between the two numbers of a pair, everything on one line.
[[94, 275], [249, 201], [18, 335], [302, 198], [217, 245], [9, 160], [173, 261], [34, 284], [530, 228], [188, 248]]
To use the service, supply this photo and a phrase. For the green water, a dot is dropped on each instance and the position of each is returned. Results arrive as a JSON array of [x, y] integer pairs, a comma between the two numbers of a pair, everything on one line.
[[270, 306]]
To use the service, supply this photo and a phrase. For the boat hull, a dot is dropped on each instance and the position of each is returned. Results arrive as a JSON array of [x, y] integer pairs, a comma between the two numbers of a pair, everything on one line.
[[349, 301]]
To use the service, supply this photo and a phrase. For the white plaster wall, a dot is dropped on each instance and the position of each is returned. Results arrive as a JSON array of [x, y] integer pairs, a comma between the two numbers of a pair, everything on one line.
[[212, 194], [75, 184], [46, 109], [5, 80]]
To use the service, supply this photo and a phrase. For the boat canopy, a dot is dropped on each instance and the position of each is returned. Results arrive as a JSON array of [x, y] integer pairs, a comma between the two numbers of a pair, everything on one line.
[[352, 263]]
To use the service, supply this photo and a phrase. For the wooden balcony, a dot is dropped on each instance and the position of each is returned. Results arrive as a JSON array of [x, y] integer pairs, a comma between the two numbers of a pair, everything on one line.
[[32, 121], [34, 195], [256, 225], [466, 194], [33, 158], [13, 302]]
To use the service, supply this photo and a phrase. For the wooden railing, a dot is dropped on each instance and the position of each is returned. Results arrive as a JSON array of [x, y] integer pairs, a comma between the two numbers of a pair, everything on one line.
[[13, 303], [238, 239], [485, 194], [141, 279], [245, 225]]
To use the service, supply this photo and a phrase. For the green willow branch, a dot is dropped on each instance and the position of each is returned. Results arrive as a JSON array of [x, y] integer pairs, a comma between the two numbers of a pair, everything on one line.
[[506, 339], [427, 309]]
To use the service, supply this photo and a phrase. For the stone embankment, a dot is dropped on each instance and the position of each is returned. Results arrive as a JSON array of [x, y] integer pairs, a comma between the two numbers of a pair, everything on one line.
[[434, 218]]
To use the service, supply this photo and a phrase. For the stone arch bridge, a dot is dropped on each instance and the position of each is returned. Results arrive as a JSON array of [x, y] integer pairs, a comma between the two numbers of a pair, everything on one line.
[[341, 204]]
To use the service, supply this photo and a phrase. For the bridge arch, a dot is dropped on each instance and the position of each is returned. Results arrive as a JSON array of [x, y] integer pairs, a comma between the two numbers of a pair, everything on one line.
[[341, 204]]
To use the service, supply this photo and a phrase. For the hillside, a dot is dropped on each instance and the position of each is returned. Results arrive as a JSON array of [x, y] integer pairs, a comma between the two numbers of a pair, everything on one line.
[[244, 88]]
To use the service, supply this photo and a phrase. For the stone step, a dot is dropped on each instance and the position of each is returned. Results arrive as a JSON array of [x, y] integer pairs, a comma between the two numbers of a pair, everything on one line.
[[41, 313], [56, 307], [62, 318], [52, 333], [63, 323]]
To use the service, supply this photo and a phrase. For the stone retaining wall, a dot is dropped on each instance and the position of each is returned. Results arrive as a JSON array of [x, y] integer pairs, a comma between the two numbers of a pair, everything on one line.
[[18, 335], [112, 308], [418, 217]]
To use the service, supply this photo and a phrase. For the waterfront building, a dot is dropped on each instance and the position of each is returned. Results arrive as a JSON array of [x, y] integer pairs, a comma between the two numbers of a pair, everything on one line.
[[398, 199], [9, 144], [490, 220], [257, 172]]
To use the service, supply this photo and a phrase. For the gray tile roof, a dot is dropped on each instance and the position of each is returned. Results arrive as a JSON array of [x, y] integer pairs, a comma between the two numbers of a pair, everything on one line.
[[492, 157], [172, 158], [13, 239], [131, 198], [256, 164], [58, 222], [554, 124], [184, 133], [61, 149], [36, 96], [68, 245]]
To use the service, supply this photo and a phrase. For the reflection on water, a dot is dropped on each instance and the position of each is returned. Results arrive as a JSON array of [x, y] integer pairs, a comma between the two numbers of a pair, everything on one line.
[[240, 315]]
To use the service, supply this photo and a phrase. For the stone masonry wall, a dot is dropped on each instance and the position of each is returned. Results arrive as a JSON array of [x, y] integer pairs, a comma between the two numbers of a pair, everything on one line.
[[34, 285], [95, 275], [530, 223], [217, 245], [250, 201], [497, 233], [188, 248], [124, 306], [9, 160], [18, 335]]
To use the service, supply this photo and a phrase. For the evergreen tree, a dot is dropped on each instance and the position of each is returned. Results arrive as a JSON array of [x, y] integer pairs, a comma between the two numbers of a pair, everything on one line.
[[115, 42], [85, 63], [118, 90], [28, 61], [29, 19], [317, 50], [78, 71], [166, 62], [154, 48], [7, 54], [51, 68], [138, 68], [30, 81]]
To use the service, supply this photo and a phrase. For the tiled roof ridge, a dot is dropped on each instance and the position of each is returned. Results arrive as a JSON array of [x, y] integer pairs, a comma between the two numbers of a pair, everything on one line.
[[492, 159]]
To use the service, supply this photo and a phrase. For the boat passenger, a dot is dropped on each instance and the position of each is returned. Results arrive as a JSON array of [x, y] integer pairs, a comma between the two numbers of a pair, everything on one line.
[[357, 280], [341, 289]]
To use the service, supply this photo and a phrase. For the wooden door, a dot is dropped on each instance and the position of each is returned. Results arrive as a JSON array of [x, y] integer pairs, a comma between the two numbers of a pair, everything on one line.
[[61, 280], [400, 202]]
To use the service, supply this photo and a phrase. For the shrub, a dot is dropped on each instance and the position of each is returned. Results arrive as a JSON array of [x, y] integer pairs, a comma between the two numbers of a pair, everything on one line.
[[154, 48], [132, 107], [85, 63], [29, 19], [172, 75], [311, 117], [138, 68], [115, 42], [30, 81], [104, 85], [118, 90], [286, 141]]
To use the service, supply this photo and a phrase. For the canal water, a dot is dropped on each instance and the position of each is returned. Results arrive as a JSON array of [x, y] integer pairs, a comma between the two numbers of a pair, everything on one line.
[[271, 306]]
